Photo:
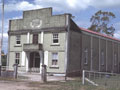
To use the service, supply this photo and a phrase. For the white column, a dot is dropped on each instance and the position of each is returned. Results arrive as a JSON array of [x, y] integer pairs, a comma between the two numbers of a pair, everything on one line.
[[42, 37], [23, 59], [28, 37], [41, 60], [27, 60], [46, 58]]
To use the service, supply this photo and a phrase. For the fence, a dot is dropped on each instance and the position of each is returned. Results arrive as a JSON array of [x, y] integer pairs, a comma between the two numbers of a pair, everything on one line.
[[100, 78]]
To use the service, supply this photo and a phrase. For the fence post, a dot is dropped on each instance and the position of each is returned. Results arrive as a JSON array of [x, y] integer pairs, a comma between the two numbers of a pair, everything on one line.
[[0, 70], [83, 77], [15, 70], [44, 76]]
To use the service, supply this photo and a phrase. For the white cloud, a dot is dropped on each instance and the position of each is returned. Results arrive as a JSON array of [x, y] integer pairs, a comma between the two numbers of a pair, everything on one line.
[[77, 4], [117, 31], [117, 34], [20, 6], [105, 3], [5, 35], [60, 5]]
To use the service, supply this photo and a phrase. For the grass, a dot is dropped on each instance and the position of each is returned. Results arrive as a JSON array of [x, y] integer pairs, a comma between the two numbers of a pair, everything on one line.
[[69, 85], [62, 85]]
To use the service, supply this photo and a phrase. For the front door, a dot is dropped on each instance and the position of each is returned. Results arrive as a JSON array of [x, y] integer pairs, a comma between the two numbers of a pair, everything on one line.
[[34, 63]]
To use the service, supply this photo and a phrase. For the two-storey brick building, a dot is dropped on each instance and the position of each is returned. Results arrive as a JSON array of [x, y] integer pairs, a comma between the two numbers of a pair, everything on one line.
[[55, 40]]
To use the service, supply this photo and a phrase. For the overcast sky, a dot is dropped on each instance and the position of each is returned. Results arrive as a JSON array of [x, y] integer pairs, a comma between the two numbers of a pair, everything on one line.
[[81, 9]]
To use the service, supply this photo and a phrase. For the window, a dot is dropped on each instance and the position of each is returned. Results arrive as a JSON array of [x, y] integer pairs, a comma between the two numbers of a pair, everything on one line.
[[115, 59], [86, 56], [54, 59], [35, 38], [55, 38], [18, 38], [102, 58], [17, 58]]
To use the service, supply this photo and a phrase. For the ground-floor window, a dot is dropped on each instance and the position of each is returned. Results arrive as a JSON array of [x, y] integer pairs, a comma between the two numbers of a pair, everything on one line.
[[54, 59], [86, 56], [17, 58]]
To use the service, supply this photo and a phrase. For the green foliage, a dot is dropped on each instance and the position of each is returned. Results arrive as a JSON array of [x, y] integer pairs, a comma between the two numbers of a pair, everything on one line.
[[101, 22], [4, 59]]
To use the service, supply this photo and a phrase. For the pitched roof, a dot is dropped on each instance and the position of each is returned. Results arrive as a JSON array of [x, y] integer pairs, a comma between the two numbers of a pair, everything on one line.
[[96, 33]]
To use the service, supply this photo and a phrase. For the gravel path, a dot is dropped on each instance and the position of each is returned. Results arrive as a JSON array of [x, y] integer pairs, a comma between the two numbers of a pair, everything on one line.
[[12, 85]]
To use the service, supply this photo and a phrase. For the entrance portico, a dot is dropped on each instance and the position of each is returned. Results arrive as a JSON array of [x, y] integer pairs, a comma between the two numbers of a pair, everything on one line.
[[34, 57]]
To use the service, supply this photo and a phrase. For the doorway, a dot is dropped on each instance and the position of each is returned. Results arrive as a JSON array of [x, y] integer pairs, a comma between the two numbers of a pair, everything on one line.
[[34, 62]]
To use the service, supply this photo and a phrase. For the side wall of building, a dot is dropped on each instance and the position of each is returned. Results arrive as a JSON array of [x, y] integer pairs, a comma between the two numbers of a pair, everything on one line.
[[74, 52], [103, 53]]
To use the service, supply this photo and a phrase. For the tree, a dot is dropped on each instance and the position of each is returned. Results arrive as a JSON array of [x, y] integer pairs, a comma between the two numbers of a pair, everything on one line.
[[4, 59], [101, 22]]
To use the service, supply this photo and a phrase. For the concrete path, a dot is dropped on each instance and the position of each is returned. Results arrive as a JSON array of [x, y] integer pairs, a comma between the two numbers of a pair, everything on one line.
[[37, 77]]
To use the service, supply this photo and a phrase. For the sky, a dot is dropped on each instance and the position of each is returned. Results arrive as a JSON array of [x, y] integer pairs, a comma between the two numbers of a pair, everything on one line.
[[82, 10]]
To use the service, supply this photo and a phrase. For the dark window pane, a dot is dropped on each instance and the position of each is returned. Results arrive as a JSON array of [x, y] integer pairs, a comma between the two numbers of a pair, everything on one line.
[[35, 38], [54, 62], [18, 42], [18, 39], [55, 41], [17, 61]]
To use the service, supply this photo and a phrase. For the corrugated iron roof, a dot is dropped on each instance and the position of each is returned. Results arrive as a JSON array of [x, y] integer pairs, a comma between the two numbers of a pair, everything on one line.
[[96, 33]]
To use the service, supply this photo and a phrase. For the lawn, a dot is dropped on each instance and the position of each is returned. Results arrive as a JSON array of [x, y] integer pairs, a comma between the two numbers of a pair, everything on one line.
[[69, 85], [52, 85]]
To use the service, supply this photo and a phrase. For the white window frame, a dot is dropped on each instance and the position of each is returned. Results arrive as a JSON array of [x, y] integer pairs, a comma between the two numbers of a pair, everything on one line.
[[17, 58], [102, 58], [55, 36], [115, 59], [55, 58], [86, 56], [18, 39]]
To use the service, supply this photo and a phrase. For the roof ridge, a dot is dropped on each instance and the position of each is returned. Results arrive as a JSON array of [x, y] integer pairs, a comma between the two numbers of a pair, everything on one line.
[[100, 34]]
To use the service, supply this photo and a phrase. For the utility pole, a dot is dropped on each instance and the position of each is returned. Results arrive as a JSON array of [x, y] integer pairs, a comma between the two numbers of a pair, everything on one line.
[[1, 38]]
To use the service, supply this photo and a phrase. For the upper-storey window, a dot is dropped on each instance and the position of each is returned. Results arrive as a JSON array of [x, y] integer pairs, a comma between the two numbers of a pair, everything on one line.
[[35, 38], [55, 38], [18, 39]]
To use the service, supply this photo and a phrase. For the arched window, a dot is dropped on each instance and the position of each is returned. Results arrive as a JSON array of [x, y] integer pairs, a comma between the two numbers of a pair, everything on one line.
[[102, 58], [115, 59]]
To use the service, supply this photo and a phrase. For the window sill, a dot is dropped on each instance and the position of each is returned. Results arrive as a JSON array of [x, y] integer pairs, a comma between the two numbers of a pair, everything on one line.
[[55, 44], [17, 45], [54, 67]]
